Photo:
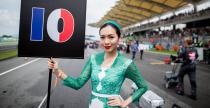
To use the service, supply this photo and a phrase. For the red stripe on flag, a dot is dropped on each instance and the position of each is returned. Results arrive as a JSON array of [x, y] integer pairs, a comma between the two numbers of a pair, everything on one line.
[[68, 25]]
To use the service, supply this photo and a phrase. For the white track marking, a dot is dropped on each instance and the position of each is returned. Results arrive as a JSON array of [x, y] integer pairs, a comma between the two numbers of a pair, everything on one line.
[[18, 67]]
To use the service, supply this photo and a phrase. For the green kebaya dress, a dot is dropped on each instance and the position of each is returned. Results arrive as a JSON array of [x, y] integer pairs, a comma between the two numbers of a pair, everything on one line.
[[107, 82]]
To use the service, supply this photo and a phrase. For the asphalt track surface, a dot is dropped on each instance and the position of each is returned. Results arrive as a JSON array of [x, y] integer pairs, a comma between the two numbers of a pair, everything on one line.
[[153, 71], [25, 86]]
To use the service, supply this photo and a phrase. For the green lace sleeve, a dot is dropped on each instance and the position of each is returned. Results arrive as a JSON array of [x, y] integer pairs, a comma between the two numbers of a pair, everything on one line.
[[77, 83], [134, 74]]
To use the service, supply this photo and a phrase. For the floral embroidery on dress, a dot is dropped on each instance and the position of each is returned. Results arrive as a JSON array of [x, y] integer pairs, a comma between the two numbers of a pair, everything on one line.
[[96, 103]]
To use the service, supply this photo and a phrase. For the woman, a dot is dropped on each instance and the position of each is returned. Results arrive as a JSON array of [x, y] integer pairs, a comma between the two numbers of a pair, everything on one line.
[[107, 71]]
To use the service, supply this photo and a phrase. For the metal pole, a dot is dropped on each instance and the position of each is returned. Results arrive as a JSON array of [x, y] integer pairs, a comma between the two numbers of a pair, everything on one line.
[[49, 88]]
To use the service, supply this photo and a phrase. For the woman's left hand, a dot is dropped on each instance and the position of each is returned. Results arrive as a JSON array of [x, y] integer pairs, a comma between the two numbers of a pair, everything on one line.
[[116, 101]]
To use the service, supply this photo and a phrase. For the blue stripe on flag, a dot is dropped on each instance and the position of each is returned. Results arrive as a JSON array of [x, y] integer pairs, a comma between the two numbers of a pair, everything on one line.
[[37, 24]]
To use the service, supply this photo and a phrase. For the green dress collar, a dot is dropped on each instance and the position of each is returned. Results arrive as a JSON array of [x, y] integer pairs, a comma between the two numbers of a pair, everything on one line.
[[100, 58]]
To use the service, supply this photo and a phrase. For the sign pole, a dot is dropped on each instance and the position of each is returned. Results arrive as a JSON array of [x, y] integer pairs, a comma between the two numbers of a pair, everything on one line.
[[49, 88]]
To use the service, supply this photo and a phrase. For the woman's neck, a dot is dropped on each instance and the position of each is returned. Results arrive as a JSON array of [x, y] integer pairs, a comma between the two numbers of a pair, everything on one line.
[[109, 59], [111, 54]]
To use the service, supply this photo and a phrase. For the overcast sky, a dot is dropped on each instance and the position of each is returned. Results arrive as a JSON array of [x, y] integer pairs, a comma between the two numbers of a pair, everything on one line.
[[10, 14]]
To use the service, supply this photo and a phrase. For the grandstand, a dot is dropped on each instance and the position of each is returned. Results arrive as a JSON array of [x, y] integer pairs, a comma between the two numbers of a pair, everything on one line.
[[163, 22]]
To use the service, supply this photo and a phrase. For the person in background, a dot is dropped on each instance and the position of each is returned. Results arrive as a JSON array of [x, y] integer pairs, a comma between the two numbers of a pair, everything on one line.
[[168, 46], [134, 49], [141, 49], [208, 57], [188, 54], [107, 71], [128, 48]]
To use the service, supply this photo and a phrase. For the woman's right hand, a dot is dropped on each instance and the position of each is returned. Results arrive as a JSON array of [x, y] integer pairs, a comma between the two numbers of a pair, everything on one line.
[[52, 64]]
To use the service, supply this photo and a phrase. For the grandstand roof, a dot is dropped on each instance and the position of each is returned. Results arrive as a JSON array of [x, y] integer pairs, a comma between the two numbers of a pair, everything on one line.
[[128, 12]]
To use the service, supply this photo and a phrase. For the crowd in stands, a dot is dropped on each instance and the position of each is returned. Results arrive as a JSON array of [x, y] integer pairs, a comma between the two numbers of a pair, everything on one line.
[[172, 39], [181, 16], [169, 38]]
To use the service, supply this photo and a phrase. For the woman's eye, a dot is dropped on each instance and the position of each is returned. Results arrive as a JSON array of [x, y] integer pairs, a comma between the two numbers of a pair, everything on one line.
[[111, 37], [102, 37]]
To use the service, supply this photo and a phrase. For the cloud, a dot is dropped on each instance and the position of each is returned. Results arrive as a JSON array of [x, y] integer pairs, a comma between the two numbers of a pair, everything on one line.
[[96, 9], [9, 17], [10, 10], [9, 22]]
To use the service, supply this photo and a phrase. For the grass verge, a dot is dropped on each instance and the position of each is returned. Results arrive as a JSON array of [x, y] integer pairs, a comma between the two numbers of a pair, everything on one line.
[[166, 52], [8, 54]]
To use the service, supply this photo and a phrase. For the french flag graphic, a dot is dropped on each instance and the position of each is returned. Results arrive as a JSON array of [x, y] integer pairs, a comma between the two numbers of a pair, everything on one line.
[[68, 25]]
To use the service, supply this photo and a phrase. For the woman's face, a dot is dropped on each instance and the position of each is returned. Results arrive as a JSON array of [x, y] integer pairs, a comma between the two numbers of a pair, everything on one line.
[[109, 39]]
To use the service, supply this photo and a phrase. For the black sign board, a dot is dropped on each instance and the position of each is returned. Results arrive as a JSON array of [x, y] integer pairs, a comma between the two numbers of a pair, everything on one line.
[[52, 28]]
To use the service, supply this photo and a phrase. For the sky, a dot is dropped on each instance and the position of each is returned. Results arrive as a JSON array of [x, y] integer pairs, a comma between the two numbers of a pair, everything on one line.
[[95, 10], [10, 15]]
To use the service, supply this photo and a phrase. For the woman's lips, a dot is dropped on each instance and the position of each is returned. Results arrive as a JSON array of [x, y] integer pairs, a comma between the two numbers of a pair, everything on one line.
[[107, 47]]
